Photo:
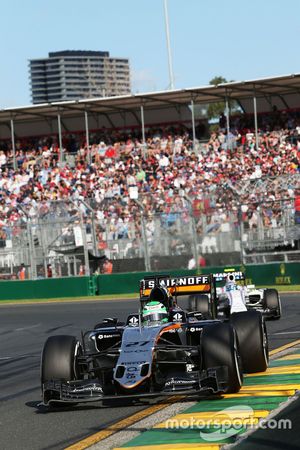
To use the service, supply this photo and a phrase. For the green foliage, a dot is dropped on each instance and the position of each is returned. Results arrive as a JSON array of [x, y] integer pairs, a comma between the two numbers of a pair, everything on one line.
[[216, 109], [217, 80], [214, 128]]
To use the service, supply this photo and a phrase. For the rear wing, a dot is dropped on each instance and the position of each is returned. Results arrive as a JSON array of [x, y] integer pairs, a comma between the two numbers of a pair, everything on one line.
[[177, 286], [222, 276]]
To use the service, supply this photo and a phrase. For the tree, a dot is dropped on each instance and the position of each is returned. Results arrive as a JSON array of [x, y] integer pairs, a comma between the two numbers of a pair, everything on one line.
[[216, 109], [218, 80]]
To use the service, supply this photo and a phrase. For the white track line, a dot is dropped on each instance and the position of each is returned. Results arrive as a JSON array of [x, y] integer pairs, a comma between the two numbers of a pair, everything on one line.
[[27, 328]]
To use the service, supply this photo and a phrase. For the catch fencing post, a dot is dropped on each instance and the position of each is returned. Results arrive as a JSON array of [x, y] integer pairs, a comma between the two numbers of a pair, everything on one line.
[[144, 236], [94, 237], [193, 124], [85, 249], [143, 132], [86, 120], [60, 139], [255, 121], [227, 123], [12, 130], [194, 230]]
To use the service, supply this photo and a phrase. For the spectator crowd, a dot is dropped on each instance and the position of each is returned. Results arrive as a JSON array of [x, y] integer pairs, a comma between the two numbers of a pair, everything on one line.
[[226, 174]]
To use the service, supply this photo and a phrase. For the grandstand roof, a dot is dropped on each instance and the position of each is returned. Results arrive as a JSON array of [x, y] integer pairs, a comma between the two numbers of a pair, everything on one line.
[[282, 91]]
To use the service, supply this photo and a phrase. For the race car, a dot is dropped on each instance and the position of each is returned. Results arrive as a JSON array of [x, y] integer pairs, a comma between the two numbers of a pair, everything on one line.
[[234, 295], [239, 295], [160, 350]]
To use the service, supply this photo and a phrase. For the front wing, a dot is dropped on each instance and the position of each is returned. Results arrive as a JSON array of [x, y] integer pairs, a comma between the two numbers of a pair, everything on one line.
[[255, 301], [210, 381]]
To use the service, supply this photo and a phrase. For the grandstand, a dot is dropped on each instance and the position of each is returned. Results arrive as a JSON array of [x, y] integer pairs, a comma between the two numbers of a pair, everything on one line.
[[140, 181]]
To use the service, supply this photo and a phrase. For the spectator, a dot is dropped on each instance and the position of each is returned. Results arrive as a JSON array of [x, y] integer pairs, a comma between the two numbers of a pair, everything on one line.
[[297, 207], [49, 271], [107, 267], [217, 178], [222, 121], [201, 262], [22, 272]]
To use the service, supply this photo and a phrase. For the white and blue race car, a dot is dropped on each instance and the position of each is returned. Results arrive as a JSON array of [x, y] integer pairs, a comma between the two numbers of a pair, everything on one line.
[[230, 294], [235, 296]]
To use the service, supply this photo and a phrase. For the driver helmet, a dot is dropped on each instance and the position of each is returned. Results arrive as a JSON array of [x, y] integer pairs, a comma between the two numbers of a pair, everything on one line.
[[155, 312], [231, 283]]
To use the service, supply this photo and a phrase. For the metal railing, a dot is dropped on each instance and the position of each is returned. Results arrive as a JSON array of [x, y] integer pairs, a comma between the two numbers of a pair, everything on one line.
[[68, 238]]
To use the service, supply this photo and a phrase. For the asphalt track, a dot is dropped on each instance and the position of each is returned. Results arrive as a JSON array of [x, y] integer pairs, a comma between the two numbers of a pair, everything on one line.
[[23, 331]]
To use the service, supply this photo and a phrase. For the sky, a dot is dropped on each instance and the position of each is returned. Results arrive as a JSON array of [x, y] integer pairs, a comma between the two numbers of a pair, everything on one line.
[[237, 39]]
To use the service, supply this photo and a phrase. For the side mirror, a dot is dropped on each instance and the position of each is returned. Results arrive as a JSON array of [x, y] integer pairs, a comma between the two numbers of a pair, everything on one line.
[[110, 320]]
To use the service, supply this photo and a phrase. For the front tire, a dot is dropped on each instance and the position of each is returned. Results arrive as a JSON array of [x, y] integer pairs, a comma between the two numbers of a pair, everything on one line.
[[58, 360], [220, 348], [271, 301], [253, 340]]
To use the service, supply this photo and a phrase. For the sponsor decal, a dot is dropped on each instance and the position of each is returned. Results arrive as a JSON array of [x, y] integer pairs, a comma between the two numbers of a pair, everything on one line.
[[178, 382], [193, 329], [135, 351], [133, 321], [137, 344], [178, 317], [182, 281], [220, 276], [130, 372], [283, 280], [106, 336], [135, 363], [151, 307], [88, 388], [173, 330], [282, 269]]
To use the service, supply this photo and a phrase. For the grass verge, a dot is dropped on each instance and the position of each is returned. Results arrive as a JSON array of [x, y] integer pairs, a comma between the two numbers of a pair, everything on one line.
[[285, 288], [71, 299]]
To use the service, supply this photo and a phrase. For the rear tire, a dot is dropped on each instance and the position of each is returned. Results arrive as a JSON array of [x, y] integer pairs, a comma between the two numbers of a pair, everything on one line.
[[201, 303], [220, 348], [272, 302], [253, 340]]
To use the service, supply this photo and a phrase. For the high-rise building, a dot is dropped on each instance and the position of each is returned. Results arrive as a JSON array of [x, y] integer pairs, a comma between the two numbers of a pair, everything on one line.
[[73, 74]]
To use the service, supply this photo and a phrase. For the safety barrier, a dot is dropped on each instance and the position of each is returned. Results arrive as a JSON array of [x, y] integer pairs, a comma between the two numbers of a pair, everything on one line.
[[48, 288], [273, 274], [125, 283], [259, 274]]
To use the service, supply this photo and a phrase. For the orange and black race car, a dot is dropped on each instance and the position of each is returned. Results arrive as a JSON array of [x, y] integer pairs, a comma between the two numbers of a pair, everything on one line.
[[160, 350]]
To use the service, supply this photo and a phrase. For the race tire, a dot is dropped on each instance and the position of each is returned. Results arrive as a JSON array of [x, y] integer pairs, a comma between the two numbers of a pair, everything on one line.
[[58, 360], [220, 348], [253, 340], [201, 303], [272, 302]]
